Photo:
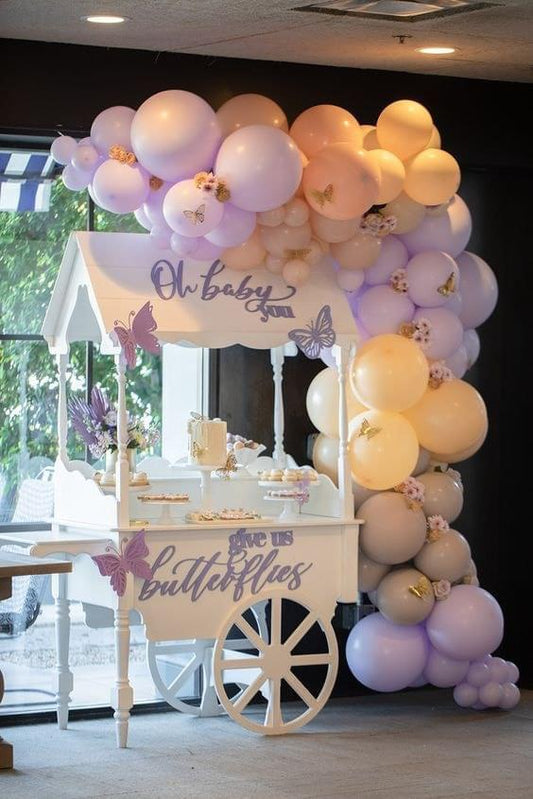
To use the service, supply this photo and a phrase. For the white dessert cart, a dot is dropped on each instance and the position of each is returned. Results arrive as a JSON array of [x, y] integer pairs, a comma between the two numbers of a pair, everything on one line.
[[216, 595]]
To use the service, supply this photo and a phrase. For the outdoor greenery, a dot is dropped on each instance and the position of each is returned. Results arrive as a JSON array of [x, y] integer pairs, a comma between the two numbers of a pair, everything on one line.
[[31, 249]]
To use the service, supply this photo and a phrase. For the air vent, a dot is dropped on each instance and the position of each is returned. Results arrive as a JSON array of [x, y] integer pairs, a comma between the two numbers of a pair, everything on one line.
[[395, 10]]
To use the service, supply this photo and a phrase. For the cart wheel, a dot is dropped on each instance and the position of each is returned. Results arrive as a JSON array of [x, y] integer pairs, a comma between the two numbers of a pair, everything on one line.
[[192, 660], [294, 627]]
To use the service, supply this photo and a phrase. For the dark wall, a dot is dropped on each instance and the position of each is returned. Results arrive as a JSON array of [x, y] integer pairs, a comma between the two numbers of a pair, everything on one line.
[[483, 124]]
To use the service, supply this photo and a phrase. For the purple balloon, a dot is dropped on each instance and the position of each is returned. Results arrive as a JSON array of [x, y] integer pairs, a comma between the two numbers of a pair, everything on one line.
[[261, 165], [472, 345], [392, 255], [512, 672], [153, 205], [498, 670], [510, 696], [465, 695], [160, 236], [112, 127], [458, 361], [433, 277], [454, 303], [142, 218], [380, 309], [350, 280], [385, 656], [478, 674], [236, 227], [479, 289], [74, 179], [62, 149], [190, 211], [419, 682], [120, 188], [446, 332], [442, 671], [183, 245], [86, 158], [206, 251], [468, 625], [490, 694], [448, 232]]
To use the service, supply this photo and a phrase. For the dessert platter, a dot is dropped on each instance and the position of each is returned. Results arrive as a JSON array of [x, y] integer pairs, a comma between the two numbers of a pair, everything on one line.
[[306, 474], [224, 515], [165, 500]]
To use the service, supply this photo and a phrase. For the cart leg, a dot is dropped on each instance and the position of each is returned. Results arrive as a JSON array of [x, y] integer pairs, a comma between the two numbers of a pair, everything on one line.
[[64, 675], [122, 695]]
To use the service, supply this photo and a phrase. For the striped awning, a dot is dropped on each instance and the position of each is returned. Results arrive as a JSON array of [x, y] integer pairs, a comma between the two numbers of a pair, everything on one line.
[[25, 180]]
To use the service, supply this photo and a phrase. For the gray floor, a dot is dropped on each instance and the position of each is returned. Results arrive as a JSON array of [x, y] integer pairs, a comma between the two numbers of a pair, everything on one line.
[[399, 746]]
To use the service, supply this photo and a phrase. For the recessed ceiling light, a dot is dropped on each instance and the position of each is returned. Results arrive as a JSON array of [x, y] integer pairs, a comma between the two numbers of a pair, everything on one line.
[[436, 50], [104, 19]]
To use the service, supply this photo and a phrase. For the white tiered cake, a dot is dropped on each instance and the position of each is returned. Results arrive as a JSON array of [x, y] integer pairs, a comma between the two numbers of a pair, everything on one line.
[[207, 441]]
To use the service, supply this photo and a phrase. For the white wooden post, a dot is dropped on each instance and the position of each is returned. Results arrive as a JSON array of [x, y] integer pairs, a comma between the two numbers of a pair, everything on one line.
[[62, 425], [276, 359], [342, 355], [122, 694], [122, 478], [64, 677]]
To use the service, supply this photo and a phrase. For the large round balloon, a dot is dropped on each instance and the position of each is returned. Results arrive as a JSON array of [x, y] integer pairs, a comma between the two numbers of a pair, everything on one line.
[[404, 127], [261, 166], [359, 252], [408, 213], [432, 177], [393, 531], [432, 277], [392, 174], [389, 372], [381, 309], [63, 148], [236, 226], [392, 255], [446, 333], [405, 596], [450, 418], [448, 232], [326, 456], [467, 625], [322, 402], [175, 134], [479, 290], [341, 182], [250, 109], [190, 211], [321, 125], [383, 449], [120, 188], [369, 573], [447, 558], [248, 255], [442, 671], [443, 496], [385, 656], [112, 127], [463, 454], [333, 230]]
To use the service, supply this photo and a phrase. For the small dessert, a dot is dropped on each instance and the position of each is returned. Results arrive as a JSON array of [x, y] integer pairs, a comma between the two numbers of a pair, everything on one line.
[[163, 497], [291, 475], [235, 442], [285, 493], [226, 514]]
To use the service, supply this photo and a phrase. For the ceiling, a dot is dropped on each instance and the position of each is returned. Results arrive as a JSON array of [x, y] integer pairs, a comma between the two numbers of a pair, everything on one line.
[[493, 43]]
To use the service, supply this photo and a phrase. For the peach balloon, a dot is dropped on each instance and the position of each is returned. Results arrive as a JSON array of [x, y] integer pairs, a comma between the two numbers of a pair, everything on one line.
[[464, 454], [296, 272], [341, 182], [359, 252], [283, 238], [434, 140], [432, 177], [321, 125], [296, 212], [250, 109], [409, 214], [392, 174], [274, 264], [271, 218], [449, 419], [316, 252], [325, 456], [248, 255], [333, 230], [404, 128], [370, 139], [322, 402], [390, 373], [383, 449]]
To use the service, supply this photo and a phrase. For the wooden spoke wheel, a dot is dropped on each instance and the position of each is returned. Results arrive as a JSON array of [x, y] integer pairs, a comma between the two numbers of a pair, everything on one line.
[[280, 664], [174, 665]]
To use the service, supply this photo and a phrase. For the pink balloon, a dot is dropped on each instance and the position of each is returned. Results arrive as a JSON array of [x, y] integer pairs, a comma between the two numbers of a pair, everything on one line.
[[120, 188], [432, 277], [449, 232], [393, 255], [341, 182], [112, 127], [236, 226], [175, 134], [190, 211], [446, 332], [382, 310], [261, 166], [479, 289]]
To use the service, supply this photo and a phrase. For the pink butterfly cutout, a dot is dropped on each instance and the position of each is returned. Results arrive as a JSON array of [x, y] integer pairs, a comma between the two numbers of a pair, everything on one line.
[[138, 333], [130, 559]]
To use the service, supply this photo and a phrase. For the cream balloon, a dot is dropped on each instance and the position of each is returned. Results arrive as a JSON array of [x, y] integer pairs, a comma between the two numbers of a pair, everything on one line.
[[383, 449], [432, 177], [404, 127], [359, 252], [274, 264], [325, 456], [392, 531], [296, 272], [248, 255], [369, 573], [271, 218], [322, 402], [296, 212], [333, 230], [250, 109], [321, 125], [448, 419], [422, 463], [389, 372], [408, 213], [392, 174], [447, 558], [442, 495], [405, 596]]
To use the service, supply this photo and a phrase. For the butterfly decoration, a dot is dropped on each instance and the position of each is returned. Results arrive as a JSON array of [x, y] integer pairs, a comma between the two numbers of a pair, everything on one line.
[[421, 589], [130, 559], [315, 336], [367, 430], [139, 332], [230, 466], [448, 287], [119, 153], [323, 197], [196, 217]]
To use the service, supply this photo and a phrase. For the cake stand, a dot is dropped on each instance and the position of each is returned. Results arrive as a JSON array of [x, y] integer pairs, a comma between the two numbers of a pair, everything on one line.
[[205, 472], [288, 512], [165, 519]]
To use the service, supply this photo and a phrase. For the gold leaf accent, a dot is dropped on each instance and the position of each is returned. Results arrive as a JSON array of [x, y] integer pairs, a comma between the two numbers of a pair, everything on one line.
[[119, 153], [448, 287], [367, 430], [222, 193], [197, 450], [200, 178], [434, 535], [323, 197], [155, 182], [230, 466], [300, 254], [422, 589], [408, 329]]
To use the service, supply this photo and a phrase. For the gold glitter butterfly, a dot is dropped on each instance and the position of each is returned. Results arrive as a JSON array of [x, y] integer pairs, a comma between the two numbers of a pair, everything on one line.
[[323, 197], [300, 254], [448, 287], [367, 430], [119, 153], [422, 589], [196, 217], [230, 466]]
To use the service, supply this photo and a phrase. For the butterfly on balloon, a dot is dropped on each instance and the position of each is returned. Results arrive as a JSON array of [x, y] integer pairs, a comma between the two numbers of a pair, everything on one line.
[[138, 332], [316, 336], [130, 559]]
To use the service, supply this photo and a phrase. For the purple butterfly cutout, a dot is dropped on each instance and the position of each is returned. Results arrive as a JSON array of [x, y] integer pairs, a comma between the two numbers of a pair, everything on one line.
[[130, 559], [317, 335], [139, 332]]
